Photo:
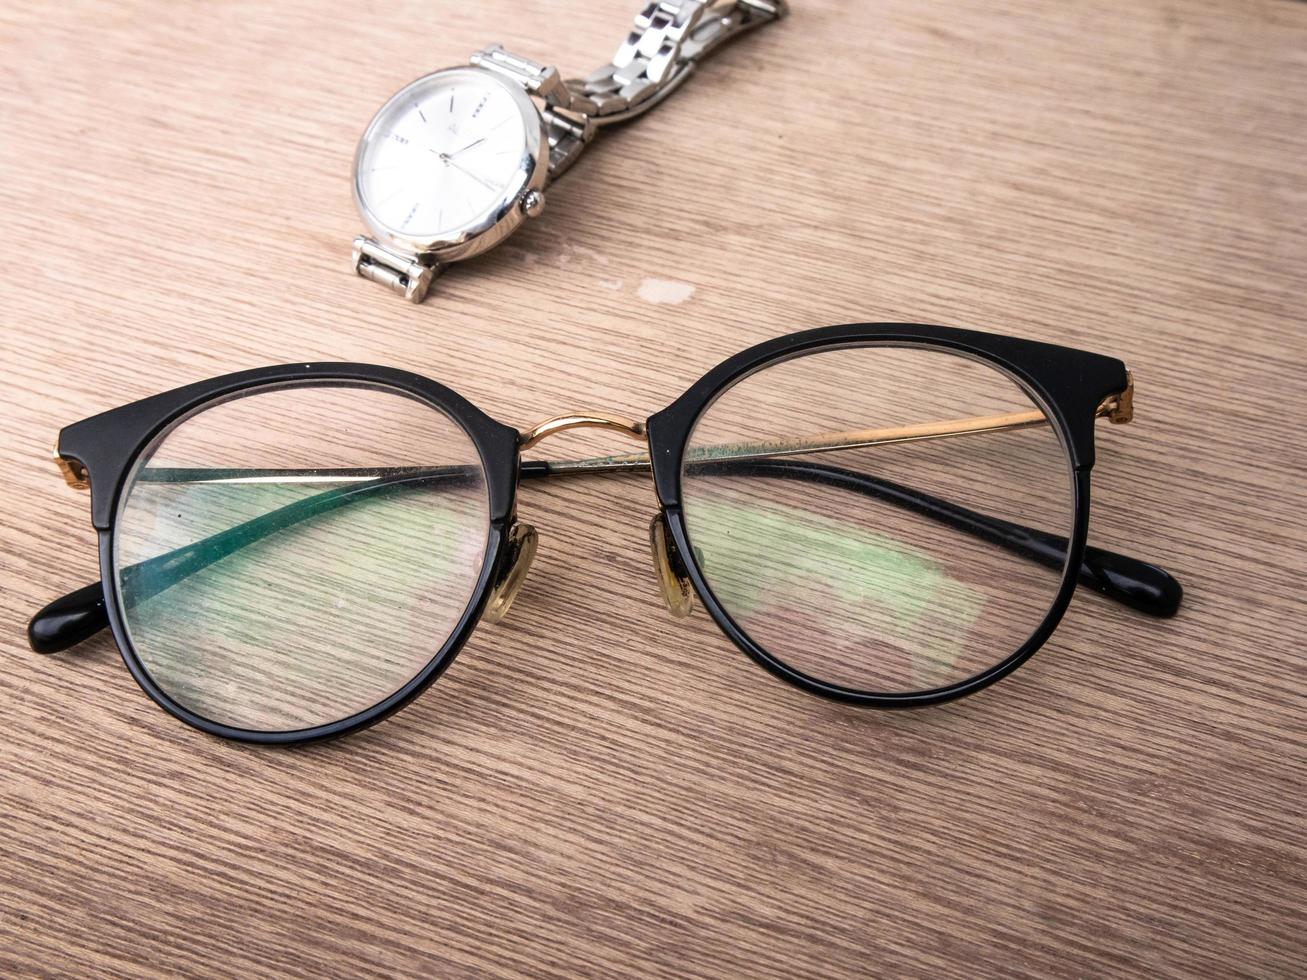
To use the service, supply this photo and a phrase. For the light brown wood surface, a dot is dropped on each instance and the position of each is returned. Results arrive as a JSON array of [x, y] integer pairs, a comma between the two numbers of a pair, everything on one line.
[[595, 788]]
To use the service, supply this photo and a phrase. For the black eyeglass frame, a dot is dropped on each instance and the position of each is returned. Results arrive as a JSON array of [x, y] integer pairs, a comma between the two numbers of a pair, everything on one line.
[[1069, 385]]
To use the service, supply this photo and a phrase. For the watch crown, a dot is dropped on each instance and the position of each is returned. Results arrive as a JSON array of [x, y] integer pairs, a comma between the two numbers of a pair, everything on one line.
[[533, 202]]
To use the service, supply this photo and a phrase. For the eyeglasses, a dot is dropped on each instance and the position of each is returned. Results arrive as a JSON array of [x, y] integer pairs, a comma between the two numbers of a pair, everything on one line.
[[885, 514]]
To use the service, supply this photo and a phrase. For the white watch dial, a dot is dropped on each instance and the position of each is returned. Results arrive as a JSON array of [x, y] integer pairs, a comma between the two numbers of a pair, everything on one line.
[[443, 155]]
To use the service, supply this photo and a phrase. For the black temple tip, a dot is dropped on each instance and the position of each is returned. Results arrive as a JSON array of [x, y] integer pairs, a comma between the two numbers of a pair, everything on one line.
[[69, 620], [1137, 584]]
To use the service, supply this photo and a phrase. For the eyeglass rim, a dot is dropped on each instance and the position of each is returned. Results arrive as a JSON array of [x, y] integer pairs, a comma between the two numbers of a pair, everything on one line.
[[413, 686], [1051, 377]]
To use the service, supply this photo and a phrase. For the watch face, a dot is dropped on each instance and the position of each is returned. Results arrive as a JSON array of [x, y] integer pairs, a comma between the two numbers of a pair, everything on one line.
[[446, 156]]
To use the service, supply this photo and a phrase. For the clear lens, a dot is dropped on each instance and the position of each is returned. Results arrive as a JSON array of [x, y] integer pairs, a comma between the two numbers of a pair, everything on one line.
[[291, 557], [853, 565]]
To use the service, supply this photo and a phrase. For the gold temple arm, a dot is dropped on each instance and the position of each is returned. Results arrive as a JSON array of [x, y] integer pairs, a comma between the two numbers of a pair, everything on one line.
[[849, 439], [766, 449], [1117, 408], [859, 438]]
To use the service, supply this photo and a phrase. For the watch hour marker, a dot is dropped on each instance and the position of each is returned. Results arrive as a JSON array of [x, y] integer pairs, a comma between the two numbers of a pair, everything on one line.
[[419, 109]]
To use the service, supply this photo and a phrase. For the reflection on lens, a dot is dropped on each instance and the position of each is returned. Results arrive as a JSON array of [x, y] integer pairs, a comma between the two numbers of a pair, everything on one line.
[[852, 562], [291, 557]]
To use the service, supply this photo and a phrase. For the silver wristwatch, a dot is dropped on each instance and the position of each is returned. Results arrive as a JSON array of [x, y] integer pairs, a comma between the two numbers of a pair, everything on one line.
[[455, 161]]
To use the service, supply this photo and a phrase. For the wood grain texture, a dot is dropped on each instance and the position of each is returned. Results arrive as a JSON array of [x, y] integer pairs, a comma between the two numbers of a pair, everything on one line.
[[594, 788]]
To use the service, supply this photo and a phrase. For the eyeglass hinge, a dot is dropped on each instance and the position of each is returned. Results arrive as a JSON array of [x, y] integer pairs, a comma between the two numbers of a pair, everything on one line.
[[1120, 407], [73, 472]]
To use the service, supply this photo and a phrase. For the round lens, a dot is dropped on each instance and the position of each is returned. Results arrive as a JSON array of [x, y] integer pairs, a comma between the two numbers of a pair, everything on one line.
[[844, 508], [290, 557]]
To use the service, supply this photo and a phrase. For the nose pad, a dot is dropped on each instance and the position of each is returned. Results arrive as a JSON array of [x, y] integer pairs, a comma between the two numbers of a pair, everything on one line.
[[522, 543], [673, 582]]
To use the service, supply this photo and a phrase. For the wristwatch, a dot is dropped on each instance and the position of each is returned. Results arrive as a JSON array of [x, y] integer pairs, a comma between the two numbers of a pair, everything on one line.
[[458, 159]]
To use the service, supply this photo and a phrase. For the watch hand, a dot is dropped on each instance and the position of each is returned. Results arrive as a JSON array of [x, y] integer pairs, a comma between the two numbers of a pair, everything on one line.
[[446, 159], [468, 147]]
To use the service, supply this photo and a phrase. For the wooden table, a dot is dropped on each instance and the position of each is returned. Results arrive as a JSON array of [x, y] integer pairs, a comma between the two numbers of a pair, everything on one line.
[[594, 788]]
